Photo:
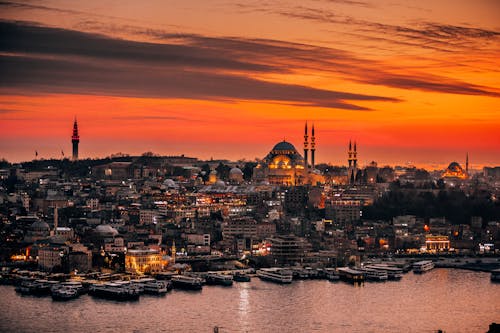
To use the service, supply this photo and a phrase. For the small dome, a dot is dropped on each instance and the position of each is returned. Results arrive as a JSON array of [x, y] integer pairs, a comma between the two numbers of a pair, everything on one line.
[[170, 183], [220, 183], [40, 226], [106, 230], [235, 171]]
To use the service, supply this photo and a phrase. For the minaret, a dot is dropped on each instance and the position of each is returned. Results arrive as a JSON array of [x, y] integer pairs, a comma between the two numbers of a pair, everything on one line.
[[355, 158], [313, 147], [467, 163], [173, 252], [306, 143], [75, 139], [353, 163]]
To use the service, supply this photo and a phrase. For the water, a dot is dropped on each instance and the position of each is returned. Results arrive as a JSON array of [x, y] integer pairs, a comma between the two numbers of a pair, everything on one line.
[[450, 300]]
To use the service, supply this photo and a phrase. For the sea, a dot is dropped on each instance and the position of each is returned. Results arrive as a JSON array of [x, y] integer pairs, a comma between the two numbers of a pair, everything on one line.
[[449, 300]]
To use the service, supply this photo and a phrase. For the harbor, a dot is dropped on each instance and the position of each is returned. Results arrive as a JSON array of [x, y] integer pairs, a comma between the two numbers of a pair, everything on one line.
[[444, 297]]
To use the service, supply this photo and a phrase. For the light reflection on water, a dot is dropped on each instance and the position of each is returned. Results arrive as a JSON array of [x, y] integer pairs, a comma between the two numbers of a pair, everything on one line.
[[451, 300]]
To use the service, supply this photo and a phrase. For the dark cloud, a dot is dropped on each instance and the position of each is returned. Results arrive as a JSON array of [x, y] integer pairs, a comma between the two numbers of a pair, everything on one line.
[[53, 60], [73, 76]]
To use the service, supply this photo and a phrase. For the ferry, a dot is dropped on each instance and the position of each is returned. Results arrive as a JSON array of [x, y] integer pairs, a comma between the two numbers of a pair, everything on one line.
[[219, 279], [351, 275], [423, 266], [393, 273], [37, 287], [76, 285], [275, 274], [331, 274], [115, 291], [374, 274], [241, 277], [495, 275], [64, 293], [187, 282], [153, 287]]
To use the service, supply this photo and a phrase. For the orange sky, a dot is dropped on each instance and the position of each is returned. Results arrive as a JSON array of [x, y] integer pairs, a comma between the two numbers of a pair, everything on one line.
[[410, 81]]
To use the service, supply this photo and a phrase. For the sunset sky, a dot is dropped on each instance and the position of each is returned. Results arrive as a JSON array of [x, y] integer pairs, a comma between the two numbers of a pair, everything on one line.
[[410, 81]]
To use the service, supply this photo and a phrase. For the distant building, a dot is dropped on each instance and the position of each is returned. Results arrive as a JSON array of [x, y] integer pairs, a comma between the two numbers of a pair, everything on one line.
[[75, 140], [285, 166], [455, 171]]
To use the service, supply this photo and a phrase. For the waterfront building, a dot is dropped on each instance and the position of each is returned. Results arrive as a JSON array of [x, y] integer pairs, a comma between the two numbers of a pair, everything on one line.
[[437, 243], [140, 261]]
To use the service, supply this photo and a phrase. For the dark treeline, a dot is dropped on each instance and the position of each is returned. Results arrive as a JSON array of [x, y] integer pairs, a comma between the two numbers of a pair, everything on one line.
[[457, 206]]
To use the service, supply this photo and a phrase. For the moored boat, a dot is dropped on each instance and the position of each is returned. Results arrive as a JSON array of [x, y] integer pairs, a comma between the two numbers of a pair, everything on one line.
[[241, 277], [186, 282], [495, 275], [393, 273], [115, 291], [331, 274], [64, 293], [423, 266], [350, 275], [275, 274], [374, 274], [219, 279]]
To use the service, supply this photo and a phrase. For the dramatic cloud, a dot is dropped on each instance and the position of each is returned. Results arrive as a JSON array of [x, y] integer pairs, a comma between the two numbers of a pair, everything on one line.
[[56, 60]]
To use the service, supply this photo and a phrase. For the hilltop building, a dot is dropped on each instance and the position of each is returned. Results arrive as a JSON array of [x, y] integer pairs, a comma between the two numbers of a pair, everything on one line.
[[75, 140], [285, 166]]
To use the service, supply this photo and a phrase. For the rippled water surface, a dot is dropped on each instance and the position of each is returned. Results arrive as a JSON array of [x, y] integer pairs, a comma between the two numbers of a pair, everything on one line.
[[450, 300]]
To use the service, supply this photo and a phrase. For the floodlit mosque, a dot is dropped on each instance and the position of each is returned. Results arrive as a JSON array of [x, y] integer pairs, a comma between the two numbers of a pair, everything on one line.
[[285, 166], [454, 170]]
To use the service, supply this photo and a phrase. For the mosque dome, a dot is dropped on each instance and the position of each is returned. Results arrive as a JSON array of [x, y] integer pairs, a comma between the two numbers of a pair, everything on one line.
[[454, 170], [284, 145], [170, 183], [235, 171], [106, 230], [284, 156], [40, 226]]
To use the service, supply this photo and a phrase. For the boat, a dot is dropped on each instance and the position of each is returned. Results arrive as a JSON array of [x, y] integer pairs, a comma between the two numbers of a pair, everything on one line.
[[495, 275], [374, 274], [36, 287], [331, 274], [275, 274], [64, 293], [187, 282], [423, 266], [115, 291], [393, 273], [219, 279], [77, 285], [241, 277], [155, 287], [350, 275]]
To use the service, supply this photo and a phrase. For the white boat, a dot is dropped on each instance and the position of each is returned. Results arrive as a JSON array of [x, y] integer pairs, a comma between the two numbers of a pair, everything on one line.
[[393, 273], [423, 266], [275, 274], [374, 274], [64, 293]]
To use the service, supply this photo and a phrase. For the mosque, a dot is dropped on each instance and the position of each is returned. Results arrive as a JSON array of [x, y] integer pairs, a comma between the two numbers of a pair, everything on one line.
[[285, 166], [455, 171]]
